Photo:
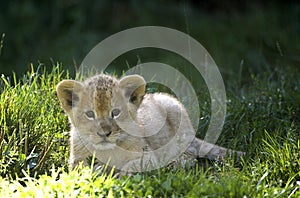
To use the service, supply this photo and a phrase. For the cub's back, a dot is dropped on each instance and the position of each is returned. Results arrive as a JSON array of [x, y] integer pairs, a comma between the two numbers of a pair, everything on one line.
[[162, 115]]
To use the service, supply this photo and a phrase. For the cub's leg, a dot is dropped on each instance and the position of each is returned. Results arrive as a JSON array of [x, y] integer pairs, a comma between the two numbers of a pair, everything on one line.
[[200, 148]]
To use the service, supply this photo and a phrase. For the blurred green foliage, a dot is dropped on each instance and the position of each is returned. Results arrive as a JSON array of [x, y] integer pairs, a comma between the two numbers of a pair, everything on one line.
[[240, 36]]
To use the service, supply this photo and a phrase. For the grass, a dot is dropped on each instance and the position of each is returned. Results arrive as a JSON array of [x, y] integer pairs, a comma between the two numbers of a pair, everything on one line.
[[262, 119], [32, 126]]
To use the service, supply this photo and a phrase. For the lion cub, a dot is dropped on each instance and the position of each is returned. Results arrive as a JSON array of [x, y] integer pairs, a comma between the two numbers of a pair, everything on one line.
[[121, 124]]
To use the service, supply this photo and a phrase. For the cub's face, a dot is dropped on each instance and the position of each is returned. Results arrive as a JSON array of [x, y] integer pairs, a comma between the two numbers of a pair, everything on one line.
[[101, 106]]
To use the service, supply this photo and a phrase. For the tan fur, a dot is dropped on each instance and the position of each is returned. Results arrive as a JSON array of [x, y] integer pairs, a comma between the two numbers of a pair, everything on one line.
[[155, 118]]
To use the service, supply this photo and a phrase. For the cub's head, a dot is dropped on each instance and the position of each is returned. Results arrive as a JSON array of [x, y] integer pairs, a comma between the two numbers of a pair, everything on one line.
[[97, 105]]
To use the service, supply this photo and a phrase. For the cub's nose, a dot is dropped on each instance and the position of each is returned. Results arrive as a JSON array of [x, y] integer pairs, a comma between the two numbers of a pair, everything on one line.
[[106, 128], [104, 135], [108, 134]]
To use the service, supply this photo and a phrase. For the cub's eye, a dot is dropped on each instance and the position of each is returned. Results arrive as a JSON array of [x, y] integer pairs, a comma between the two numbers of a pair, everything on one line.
[[115, 113], [90, 114]]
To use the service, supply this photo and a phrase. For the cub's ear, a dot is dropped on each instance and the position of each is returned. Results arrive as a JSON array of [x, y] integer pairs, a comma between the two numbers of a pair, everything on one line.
[[134, 87], [68, 92]]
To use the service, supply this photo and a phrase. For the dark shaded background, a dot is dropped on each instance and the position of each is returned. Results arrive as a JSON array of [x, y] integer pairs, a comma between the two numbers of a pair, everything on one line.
[[247, 37]]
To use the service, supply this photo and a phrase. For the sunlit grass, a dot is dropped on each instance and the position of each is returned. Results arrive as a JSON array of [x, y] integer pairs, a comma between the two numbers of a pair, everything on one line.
[[33, 128], [262, 119]]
